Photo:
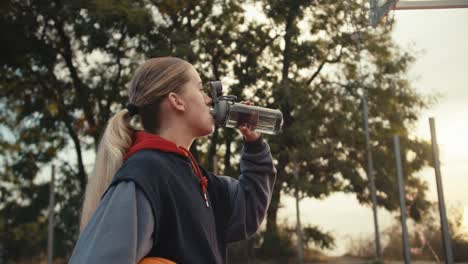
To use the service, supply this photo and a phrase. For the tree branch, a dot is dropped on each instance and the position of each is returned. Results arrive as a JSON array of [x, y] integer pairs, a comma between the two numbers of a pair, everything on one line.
[[82, 92], [320, 67], [66, 119]]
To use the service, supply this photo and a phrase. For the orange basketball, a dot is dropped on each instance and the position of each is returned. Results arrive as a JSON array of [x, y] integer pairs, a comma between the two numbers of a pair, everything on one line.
[[156, 261]]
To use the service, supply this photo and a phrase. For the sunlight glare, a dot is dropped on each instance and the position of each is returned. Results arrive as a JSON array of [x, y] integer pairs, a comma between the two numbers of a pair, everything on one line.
[[465, 219]]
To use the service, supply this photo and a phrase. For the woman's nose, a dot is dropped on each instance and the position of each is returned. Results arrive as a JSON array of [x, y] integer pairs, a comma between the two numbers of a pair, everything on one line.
[[208, 99]]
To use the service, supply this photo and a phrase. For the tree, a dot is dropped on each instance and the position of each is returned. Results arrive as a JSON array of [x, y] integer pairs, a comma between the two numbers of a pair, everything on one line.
[[425, 238], [62, 72], [65, 64], [316, 74]]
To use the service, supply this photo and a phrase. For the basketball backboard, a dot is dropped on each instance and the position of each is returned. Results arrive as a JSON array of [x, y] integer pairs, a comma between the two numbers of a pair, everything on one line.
[[380, 8]]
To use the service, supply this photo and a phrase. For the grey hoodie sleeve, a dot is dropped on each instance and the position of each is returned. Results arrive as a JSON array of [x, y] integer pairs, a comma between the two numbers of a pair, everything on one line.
[[250, 196], [120, 230]]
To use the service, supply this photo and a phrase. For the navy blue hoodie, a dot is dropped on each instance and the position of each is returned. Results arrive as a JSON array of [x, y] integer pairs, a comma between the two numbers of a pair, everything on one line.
[[185, 229]]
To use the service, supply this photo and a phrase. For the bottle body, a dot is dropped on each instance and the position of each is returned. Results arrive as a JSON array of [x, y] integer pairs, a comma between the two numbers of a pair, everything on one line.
[[259, 119]]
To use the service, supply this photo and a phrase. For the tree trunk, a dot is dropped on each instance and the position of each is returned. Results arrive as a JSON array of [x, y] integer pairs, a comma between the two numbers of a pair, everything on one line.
[[67, 120], [81, 90], [82, 176], [215, 137], [272, 224], [272, 214], [227, 156], [212, 150], [194, 151]]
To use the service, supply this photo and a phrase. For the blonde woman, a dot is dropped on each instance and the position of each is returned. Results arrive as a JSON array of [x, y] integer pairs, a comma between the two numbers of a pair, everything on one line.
[[148, 197]]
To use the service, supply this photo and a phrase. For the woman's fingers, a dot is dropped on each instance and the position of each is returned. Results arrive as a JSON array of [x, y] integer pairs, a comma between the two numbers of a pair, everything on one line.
[[245, 129], [246, 102], [248, 134]]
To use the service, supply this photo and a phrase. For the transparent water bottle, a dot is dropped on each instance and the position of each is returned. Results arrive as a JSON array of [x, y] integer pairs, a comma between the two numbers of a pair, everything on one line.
[[228, 113], [259, 119]]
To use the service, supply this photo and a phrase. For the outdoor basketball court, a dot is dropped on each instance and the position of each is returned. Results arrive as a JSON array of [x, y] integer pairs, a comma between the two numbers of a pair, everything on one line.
[[379, 12]]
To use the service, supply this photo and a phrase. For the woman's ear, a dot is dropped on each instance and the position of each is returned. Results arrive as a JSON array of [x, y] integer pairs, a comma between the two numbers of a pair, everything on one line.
[[176, 102]]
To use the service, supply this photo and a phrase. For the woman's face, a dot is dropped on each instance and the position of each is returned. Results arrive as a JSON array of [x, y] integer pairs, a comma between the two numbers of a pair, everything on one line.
[[198, 114]]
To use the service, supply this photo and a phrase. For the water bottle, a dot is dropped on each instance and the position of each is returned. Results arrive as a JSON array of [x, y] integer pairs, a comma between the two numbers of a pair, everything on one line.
[[228, 113]]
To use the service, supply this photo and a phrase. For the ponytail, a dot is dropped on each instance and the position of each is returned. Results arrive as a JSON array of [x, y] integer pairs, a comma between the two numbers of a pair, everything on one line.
[[115, 142], [151, 82]]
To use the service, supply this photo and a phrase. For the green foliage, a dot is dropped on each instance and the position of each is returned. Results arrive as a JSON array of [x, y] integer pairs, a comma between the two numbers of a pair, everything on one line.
[[313, 234], [283, 244], [23, 226], [64, 66], [318, 83], [277, 245]]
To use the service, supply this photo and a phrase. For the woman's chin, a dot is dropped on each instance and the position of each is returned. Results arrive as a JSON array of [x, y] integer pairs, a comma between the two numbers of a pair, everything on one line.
[[212, 126], [211, 130], [207, 131]]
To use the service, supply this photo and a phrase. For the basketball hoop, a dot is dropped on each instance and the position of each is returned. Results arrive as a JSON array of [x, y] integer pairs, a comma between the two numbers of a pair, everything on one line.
[[379, 9]]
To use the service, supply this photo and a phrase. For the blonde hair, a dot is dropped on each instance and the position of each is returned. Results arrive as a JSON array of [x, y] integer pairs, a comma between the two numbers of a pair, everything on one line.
[[151, 82]]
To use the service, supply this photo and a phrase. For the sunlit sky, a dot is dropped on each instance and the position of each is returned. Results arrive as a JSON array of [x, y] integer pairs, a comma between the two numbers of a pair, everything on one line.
[[440, 39]]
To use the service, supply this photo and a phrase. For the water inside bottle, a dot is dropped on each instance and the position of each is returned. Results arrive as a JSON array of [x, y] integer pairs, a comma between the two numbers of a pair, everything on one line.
[[259, 119]]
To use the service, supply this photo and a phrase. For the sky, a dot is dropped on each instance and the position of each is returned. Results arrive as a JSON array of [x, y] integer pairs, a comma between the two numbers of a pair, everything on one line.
[[440, 40]]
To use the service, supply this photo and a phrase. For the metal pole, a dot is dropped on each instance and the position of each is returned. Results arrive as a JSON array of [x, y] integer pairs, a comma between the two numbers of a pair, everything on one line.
[[401, 191], [440, 194], [50, 239], [300, 254], [370, 175], [215, 163]]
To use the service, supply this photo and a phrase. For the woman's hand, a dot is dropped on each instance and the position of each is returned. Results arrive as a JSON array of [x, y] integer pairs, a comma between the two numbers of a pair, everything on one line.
[[248, 134]]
